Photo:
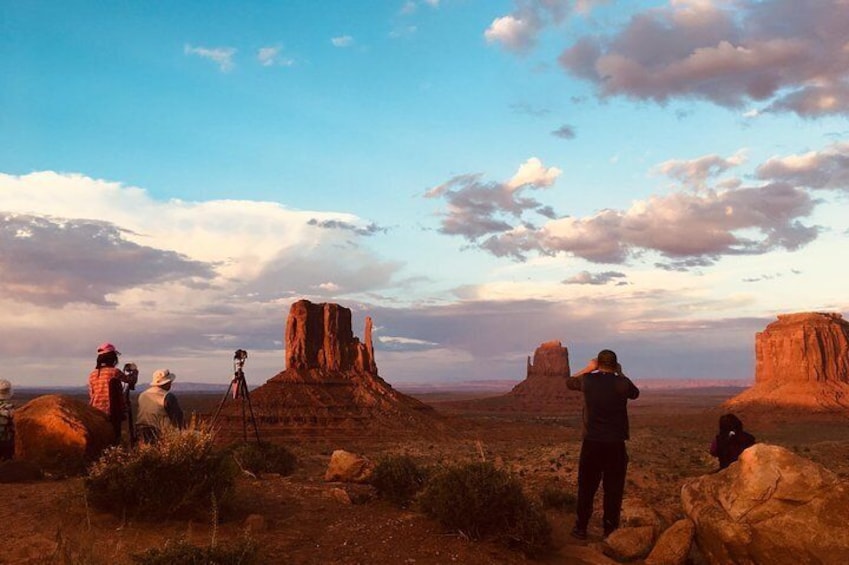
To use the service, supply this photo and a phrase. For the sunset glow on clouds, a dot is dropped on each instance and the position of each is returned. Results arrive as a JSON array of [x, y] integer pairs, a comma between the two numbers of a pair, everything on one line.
[[659, 178]]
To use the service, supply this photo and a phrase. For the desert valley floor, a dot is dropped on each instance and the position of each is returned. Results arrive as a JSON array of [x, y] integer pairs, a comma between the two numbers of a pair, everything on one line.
[[299, 519]]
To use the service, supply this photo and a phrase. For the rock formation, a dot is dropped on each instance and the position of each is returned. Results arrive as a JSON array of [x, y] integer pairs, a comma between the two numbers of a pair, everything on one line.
[[544, 388], [331, 382], [60, 434], [802, 361], [319, 336], [772, 506]]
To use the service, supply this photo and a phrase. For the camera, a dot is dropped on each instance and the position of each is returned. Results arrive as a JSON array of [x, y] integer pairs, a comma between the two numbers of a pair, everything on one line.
[[132, 373], [240, 357]]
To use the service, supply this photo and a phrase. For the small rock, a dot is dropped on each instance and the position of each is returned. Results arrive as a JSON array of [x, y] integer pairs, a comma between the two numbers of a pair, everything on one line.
[[630, 543], [674, 544], [341, 496], [348, 467], [256, 523]]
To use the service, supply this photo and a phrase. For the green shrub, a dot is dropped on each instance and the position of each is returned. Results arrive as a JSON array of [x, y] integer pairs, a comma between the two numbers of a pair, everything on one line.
[[180, 475], [182, 552], [264, 458], [398, 478], [482, 502], [553, 496]]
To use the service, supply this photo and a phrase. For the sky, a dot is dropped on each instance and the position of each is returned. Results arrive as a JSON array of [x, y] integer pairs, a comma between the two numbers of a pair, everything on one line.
[[661, 178]]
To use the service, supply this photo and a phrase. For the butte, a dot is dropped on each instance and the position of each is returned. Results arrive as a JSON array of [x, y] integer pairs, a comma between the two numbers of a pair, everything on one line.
[[801, 365], [331, 384], [542, 392]]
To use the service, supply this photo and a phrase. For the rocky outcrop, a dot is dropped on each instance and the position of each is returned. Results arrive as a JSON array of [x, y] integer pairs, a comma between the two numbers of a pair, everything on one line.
[[331, 383], [60, 434], [544, 388], [542, 391], [772, 506], [319, 336], [551, 359], [347, 467], [802, 361]]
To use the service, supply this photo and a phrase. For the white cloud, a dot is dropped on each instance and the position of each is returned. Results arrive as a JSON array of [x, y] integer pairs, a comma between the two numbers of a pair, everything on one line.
[[342, 41], [533, 172], [93, 257], [222, 56], [270, 56], [514, 32]]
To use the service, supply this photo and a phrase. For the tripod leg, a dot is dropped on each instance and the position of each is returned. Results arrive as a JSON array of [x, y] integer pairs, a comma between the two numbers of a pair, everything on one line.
[[253, 418], [243, 388], [221, 405], [130, 424]]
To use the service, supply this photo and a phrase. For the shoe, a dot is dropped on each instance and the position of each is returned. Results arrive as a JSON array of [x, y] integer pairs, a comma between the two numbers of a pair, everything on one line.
[[579, 533]]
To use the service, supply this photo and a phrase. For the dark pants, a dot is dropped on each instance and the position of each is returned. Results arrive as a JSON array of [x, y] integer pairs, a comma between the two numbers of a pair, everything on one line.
[[601, 462]]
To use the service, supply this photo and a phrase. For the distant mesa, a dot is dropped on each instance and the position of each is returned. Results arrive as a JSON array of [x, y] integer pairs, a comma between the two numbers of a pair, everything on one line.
[[802, 362], [331, 382], [543, 390]]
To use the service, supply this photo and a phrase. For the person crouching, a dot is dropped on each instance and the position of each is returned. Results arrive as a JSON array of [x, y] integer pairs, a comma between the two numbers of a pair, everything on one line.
[[159, 410]]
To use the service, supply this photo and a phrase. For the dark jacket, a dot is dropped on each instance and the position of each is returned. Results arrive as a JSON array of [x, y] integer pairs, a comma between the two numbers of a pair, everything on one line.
[[728, 447], [605, 404]]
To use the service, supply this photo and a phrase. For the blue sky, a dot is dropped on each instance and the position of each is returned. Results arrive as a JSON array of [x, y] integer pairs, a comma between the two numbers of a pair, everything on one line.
[[662, 178]]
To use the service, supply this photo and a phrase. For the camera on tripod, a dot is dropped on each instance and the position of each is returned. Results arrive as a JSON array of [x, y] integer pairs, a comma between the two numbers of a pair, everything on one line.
[[131, 371], [239, 389], [239, 359]]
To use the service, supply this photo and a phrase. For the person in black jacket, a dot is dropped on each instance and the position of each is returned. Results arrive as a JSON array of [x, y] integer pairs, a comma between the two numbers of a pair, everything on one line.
[[731, 440], [604, 458]]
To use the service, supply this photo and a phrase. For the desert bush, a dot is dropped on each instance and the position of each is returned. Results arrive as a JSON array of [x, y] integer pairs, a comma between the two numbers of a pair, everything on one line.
[[482, 501], [398, 478], [182, 552], [181, 474], [553, 496], [264, 458]]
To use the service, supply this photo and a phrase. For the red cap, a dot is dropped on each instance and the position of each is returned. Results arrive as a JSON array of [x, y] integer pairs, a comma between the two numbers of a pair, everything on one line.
[[106, 348]]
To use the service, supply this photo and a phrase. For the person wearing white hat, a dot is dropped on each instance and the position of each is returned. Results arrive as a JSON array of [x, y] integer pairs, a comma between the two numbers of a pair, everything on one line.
[[7, 427], [159, 410]]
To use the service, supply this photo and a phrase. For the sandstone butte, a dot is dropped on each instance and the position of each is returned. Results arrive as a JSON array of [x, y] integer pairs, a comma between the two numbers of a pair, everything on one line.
[[802, 363], [331, 382], [543, 390]]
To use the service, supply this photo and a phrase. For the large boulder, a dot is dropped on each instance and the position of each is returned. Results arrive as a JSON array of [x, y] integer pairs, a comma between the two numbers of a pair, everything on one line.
[[772, 506], [801, 362], [60, 434]]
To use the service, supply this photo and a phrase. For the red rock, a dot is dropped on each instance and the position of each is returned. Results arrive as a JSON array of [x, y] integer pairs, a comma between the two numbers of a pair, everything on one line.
[[551, 359], [319, 336], [331, 383], [802, 361], [60, 434], [543, 390]]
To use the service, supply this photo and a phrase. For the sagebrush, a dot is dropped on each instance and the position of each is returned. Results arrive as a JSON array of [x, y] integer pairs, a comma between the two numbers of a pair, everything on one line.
[[398, 478], [180, 475], [553, 496], [181, 552], [482, 501], [264, 458]]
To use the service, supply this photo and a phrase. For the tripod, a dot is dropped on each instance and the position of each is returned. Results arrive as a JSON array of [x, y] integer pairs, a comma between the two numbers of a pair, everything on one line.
[[239, 389], [131, 371]]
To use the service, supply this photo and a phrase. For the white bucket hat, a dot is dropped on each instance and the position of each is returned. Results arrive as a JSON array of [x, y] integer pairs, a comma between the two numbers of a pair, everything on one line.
[[162, 377], [5, 389]]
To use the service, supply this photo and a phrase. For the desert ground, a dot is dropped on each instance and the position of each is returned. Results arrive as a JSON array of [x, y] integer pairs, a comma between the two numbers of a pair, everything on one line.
[[300, 519]]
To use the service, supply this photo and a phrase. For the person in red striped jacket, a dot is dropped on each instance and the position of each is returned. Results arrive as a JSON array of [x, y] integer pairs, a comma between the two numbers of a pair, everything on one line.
[[105, 391]]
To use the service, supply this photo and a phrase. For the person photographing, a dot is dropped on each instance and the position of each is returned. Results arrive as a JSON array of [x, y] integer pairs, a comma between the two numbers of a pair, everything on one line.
[[105, 387], [159, 410], [604, 459]]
